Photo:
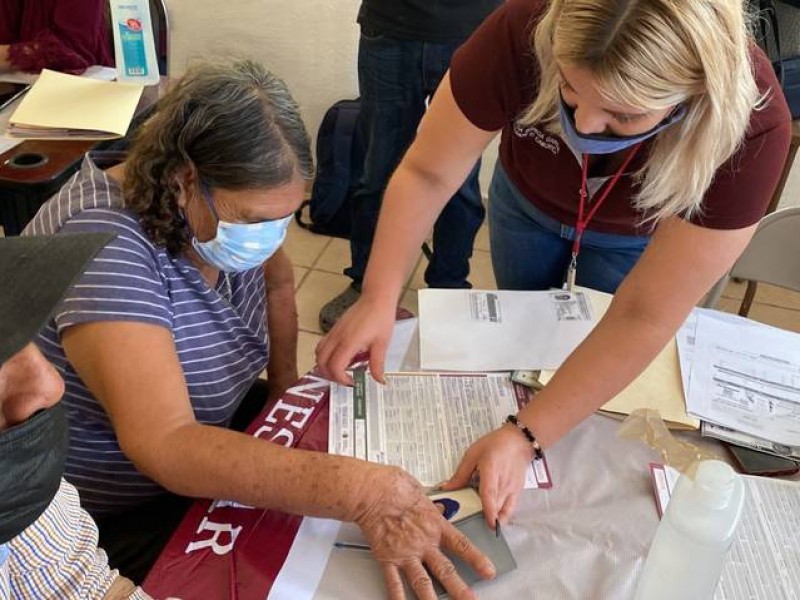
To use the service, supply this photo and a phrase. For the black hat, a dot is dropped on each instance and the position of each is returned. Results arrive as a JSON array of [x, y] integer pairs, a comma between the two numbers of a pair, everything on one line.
[[35, 273]]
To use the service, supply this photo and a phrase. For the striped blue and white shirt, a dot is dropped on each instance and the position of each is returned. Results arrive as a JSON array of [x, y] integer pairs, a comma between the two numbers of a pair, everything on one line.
[[57, 557], [220, 333]]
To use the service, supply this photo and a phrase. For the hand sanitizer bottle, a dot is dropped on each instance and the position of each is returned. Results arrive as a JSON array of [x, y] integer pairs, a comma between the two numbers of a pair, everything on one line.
[[693, 539], [134, 44]]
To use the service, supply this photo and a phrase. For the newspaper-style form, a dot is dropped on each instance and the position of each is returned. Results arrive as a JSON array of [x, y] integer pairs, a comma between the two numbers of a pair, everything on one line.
[[764, 561], [423, 422], [745, 377]]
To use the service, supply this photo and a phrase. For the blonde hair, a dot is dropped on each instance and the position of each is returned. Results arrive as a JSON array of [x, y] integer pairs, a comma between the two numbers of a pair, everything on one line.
[[652, 54]]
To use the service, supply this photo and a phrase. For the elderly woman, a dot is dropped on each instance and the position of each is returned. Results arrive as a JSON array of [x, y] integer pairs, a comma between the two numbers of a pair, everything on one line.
[[172, 322], [641, 141], [53, 34]]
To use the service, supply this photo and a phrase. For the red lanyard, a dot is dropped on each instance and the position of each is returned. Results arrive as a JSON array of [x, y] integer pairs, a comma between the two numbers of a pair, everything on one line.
[[583, 221]]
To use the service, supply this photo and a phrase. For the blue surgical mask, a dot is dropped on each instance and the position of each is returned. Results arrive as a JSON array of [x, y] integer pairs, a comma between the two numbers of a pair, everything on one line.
[[241, 246], [607, 144]]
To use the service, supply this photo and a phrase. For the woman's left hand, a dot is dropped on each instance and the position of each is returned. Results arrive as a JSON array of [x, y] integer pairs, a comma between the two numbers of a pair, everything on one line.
[[500, 458]]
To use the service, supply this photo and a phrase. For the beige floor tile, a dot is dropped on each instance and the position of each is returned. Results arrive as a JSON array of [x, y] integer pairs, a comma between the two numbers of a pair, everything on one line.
[[409, 302], [299, 275], [777, 296], [317, 289], [734, 289], [306, 345], [765, 294], [304, 247], [336, 257], [482, 239], [417, 280], [481, 275], [784, 318]]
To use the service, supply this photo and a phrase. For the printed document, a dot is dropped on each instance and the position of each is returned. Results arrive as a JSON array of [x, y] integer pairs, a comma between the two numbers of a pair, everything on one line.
[[747, 378], [764, 562], [422, 422], [500, 330]]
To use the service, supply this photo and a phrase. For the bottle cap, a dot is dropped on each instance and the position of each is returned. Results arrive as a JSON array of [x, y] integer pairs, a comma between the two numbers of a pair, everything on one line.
[[714, 484]]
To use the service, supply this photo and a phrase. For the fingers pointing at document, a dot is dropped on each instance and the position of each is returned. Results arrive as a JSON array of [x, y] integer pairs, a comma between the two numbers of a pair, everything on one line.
[[366, 326]]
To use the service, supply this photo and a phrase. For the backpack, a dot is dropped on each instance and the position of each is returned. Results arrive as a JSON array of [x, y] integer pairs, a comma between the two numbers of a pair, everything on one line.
[[768, 37], [340, 163]]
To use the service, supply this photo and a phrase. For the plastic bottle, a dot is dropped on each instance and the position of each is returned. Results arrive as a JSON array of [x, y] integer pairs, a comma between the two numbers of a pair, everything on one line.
[[693, 539], [134, 45]]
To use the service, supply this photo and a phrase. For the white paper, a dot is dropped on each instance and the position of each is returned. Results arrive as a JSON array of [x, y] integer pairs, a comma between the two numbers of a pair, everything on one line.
[[300, 575], [747, 378], [401, 348], [500, 330], [764, 562], [687, 334], [422, 422]]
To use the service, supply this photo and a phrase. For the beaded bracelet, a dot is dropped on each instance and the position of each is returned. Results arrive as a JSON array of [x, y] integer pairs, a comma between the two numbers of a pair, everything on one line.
[[537, 449]]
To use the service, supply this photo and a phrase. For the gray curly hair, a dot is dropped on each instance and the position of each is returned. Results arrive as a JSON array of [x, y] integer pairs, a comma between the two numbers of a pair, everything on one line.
[[236, 124]]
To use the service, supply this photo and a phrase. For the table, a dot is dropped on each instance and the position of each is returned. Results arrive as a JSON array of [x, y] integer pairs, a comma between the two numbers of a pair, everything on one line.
[[587, 537], [34, 170]]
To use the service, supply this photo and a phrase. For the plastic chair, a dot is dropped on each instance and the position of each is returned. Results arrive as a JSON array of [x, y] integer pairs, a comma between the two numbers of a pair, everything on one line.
[[772, 256]]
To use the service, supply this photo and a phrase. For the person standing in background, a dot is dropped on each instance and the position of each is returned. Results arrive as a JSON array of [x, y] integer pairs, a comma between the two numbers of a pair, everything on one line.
[[52, 34], [403, 53]]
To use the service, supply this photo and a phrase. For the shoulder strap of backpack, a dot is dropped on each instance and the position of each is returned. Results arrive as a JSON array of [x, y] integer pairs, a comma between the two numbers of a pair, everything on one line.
[[344, 130]]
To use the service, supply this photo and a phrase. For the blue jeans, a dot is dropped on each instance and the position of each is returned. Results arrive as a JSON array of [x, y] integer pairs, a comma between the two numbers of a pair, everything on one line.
[[532, 251], [395, 78]]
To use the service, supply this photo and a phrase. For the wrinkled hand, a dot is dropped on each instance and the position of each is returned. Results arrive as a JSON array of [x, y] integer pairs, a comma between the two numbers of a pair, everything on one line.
[[366, 326], [406, 531], [500, 458]]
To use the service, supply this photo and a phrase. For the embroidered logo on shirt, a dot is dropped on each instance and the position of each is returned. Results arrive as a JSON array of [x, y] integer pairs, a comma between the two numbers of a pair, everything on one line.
[[546, 141]]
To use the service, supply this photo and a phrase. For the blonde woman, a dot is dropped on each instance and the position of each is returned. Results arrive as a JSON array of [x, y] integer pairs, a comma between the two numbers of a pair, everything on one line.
[[656, 127]]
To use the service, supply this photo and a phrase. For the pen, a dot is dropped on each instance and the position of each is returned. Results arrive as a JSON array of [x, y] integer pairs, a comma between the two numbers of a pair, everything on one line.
[[497, 527], [351, 546]]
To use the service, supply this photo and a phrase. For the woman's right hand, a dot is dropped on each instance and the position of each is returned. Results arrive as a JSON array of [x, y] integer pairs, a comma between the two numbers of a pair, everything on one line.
[[408, 533], [365, 327]]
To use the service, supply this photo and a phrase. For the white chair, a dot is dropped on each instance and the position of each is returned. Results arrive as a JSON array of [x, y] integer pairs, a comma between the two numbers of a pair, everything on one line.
[[772, 256]]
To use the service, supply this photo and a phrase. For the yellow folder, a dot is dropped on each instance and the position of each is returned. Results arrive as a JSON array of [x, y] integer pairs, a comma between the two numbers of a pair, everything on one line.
[[60, 106], [659, 387]]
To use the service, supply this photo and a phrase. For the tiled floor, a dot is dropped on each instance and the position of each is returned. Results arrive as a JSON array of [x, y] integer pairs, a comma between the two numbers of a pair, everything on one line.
[[319, 262]]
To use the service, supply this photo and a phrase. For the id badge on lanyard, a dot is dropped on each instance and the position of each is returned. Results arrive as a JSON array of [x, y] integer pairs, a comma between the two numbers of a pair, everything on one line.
[[583, 219]]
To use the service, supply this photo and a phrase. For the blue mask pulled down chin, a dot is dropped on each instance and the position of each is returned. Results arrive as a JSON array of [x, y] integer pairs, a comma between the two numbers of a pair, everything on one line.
[[583, 143]]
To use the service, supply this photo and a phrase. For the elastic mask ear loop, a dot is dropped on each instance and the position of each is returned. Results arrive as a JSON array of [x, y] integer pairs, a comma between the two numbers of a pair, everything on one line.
[[205, 191]]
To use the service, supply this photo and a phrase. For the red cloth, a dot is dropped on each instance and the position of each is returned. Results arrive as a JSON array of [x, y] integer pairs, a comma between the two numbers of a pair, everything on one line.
[[494, 76], [55, 34], [223, 551]]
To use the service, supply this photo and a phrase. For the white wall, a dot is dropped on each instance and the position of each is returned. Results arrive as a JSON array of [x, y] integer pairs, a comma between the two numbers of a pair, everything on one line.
[[311, 44]]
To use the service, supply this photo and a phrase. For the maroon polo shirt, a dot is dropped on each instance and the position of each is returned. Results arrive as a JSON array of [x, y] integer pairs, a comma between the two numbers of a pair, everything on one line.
[[494, 77]]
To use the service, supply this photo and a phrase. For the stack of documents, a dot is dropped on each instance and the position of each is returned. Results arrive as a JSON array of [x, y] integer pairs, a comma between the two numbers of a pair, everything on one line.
[[61, 106], [742, 379]]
